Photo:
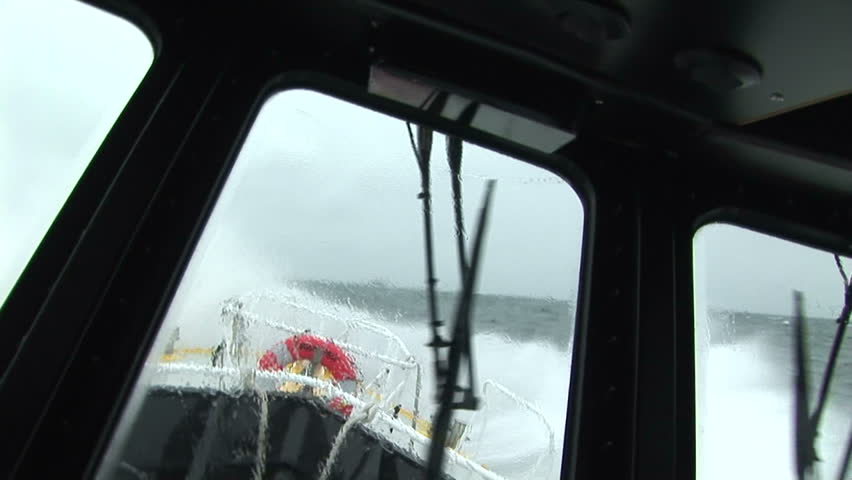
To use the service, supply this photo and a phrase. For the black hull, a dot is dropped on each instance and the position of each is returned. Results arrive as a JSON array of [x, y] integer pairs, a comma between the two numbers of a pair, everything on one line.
[[193, 433]]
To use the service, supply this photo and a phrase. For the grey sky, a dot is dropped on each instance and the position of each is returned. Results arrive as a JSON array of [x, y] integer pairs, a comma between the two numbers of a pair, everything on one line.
[[322, 190], [332, 189], [746, 270]]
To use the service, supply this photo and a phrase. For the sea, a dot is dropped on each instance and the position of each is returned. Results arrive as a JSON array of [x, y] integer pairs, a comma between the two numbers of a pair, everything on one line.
[[516, 318]]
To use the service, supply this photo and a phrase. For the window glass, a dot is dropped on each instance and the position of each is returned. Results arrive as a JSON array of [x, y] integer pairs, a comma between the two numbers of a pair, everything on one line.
[[308, 284], [745, 362], [66, 71]]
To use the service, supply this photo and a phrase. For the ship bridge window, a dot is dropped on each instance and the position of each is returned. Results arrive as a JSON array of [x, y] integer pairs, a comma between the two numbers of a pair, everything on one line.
[[61, 89], [746, 362], [305, 306]]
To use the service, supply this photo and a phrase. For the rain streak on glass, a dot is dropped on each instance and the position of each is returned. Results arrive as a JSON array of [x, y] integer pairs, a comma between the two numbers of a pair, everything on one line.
[[302, 317]]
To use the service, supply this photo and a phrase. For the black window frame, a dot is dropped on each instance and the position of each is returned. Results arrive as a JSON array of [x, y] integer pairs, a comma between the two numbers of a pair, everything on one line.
[[119, 246]]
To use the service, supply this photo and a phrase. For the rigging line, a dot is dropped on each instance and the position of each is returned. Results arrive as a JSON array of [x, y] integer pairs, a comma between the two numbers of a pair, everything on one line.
[[840, 333], [434, 322], [454, 160], [422, 152], [425, 195], [804, 438], [842, 271], [438, 105], [463, 312]]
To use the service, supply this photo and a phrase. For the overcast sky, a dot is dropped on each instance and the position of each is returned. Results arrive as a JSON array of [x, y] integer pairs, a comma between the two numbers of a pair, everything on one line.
[[329, 191], [322, 189]]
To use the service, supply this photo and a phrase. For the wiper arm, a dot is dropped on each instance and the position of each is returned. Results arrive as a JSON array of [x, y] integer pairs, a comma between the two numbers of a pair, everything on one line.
[[807, 425], [805, 454], [460, 347]]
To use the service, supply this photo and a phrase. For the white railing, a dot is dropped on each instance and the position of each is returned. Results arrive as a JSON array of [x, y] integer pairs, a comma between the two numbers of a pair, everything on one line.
[[241, 319], [351, 318], [238, 315]]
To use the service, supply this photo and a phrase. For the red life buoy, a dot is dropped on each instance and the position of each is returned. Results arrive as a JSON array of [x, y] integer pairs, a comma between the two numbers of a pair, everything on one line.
[[337, 362]]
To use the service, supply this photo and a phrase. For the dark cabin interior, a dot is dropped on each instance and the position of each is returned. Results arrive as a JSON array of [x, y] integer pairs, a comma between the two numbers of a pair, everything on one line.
[[684, 114]]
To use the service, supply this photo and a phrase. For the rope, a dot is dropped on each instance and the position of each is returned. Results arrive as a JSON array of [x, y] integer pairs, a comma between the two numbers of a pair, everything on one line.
[[262, 436], [364, 415], [205, 445], [356, 402]]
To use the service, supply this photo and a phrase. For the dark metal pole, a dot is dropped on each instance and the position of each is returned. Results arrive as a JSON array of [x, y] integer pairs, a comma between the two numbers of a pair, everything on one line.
[[461, 330], [422, 151]]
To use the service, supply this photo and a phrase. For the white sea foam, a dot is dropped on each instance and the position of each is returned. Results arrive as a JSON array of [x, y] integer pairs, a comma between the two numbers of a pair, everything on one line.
[[747, 430]]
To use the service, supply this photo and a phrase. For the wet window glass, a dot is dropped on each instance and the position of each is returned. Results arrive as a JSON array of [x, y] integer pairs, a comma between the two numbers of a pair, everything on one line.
[[66, 71], [296, 343], [746, 357]]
